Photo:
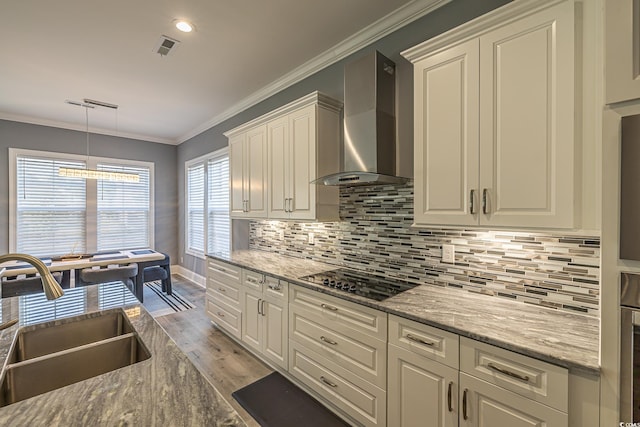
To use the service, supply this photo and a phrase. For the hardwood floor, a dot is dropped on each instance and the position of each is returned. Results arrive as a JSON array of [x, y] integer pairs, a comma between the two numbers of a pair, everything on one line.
[[224, 362]]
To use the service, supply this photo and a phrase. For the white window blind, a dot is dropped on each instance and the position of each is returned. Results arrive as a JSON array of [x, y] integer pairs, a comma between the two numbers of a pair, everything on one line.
[[37, 308], [218, 221], [50, 210], [123, 209], [195, 207]]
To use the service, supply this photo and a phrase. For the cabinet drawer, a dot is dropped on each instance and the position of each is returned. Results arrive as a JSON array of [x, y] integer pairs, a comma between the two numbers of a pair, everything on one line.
[[275, 290], [484, 404], [338, 314], [224, 315], [424, 340], [358, 352], [363, 401], [223, 272], [253, 280], [219, 290], [528, 377]]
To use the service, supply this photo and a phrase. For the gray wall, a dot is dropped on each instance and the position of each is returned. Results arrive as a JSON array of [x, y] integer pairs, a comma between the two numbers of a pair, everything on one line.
[[329, 81], [45, 138]]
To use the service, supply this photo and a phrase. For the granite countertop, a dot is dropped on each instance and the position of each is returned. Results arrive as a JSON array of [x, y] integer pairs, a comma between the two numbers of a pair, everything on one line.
[[565, 339], [165, 389]]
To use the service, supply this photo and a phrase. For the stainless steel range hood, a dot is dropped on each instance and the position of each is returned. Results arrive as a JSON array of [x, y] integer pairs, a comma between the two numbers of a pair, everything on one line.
[[369, 152]]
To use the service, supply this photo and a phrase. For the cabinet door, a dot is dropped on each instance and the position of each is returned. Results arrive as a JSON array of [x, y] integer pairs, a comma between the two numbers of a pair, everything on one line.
[[256, 172], [302, 163], [421, 392], [527, 121], [622, 50], [278, 143], [251, 319], [446, 136], [484, 404], [275, 332], [236, 168]]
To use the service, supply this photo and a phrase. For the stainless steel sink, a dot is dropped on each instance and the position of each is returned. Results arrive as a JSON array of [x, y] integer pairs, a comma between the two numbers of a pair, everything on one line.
[[51, 355]]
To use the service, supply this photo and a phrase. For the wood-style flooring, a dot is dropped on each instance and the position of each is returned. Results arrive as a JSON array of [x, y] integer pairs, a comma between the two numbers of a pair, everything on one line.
[[223, 361]]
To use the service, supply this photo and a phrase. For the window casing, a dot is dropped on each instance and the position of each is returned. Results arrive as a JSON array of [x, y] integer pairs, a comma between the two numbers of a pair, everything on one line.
[[207, 224], [53, 215]]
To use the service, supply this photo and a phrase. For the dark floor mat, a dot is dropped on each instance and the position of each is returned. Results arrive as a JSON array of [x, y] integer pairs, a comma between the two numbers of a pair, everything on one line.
[[275, 401]]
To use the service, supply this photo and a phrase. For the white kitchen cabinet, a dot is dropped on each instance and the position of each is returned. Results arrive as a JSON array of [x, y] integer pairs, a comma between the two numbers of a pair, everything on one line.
[[223, 305], [622, 50], [265, 316], [494, 123], [298, 142], [421, 392], [248, 173]]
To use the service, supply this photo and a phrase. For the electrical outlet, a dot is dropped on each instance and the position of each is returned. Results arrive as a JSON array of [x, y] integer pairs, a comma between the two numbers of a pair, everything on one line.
[[280, 234], [449, 254], [259, 233], [311, 239]]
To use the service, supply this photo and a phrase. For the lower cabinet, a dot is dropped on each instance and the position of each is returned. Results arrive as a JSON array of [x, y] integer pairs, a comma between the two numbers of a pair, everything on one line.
[[421, 392], [223, 296], [265, 316], [338, 350]]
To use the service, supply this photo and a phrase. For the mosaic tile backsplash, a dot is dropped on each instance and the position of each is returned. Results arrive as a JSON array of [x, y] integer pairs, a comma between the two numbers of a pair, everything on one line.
[[375, 235]]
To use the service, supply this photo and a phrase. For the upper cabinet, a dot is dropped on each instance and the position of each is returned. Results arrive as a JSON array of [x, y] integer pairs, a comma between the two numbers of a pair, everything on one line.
[[298, 143], [494, 120], [622, 50], [248, 168]]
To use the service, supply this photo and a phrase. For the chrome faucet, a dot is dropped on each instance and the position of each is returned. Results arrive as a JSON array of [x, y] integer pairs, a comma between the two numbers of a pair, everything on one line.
[[50, 285]]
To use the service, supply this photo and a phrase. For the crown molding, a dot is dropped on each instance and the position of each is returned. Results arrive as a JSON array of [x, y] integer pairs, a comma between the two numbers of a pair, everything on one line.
[[382, 27], [82, 128], [476, 27]]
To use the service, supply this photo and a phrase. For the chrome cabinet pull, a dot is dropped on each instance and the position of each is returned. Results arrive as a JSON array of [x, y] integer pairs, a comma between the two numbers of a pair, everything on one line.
[[220, 314], [287, 208], [291, 204], [275, 287], [515, 375], [328, 307], [464, 404], [259, 300], [419, 340], [222, 269], [328, 341], [485, 202], [449, 397], [222, 290], [472, 202], [262, 306], [327, 382]]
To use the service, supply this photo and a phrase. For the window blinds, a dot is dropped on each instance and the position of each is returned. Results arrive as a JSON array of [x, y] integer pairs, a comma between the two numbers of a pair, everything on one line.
[[123, 210], [51, 210], [195, 208], [219, 223]]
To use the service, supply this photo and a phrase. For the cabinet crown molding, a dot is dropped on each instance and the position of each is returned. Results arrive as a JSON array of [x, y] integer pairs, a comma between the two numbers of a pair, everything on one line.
[[316, 97], [476, 27]]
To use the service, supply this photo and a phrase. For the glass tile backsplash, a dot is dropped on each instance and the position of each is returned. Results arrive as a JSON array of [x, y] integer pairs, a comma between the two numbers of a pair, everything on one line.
[[375, 235]]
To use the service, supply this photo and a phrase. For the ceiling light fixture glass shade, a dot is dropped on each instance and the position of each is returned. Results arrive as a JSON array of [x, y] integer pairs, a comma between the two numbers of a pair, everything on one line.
[[92, 173], [97, 174], [184, 26]]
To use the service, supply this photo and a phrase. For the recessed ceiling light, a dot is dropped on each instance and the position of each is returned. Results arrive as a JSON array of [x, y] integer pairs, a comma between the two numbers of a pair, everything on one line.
[[184, 26]]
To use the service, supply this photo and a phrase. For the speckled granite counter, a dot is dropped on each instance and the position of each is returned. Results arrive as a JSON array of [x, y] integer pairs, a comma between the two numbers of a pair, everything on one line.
[[163, 390], [565, 339]]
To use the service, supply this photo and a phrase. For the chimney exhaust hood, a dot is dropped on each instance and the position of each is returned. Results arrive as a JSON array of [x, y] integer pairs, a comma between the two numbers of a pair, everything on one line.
[[369, 151]]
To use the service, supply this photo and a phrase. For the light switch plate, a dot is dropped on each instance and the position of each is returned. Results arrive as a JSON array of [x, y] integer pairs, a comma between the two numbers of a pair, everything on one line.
[[280, 234], [449, 254], [311, 239]]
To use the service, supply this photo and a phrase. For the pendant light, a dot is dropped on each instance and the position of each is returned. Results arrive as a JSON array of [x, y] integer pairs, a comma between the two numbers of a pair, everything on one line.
[[87, 173]]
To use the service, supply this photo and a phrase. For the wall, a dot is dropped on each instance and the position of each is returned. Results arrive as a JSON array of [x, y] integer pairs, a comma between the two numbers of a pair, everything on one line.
[[375, 235], [330, 81], [44, 138]]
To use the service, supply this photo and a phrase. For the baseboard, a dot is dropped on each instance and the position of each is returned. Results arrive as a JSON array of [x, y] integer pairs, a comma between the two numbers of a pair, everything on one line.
[[189, 275]]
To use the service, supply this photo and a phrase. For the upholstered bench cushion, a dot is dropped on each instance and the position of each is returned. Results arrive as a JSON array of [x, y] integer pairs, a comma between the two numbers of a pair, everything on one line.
[[153, 273]]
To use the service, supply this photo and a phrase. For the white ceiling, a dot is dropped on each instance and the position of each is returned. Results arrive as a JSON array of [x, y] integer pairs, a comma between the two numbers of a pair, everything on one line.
[[241, 52]]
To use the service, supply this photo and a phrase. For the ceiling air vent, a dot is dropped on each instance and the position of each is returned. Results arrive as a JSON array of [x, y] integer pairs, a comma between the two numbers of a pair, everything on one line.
[[165, 45]]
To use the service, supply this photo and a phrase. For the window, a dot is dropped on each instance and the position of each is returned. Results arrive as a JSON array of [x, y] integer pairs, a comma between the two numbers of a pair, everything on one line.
[[208, 226], [55, 215], [123, 210]]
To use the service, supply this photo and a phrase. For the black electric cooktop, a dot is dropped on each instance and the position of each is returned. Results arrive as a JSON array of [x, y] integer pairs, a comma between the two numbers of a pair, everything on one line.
[[359, 283]]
